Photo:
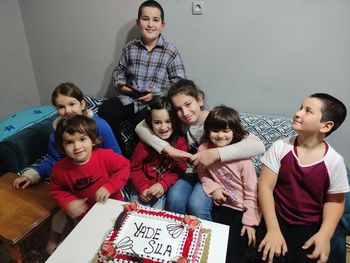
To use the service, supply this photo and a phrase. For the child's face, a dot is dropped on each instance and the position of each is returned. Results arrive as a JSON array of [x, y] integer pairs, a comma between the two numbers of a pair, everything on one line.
[[221, 138], [161, 123], [77, 146], [150, 24], [188, 108], [69, 106], [308, 118]]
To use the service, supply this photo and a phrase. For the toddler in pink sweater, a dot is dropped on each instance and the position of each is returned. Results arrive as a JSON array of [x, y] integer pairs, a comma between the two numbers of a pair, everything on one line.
[[232, 185]]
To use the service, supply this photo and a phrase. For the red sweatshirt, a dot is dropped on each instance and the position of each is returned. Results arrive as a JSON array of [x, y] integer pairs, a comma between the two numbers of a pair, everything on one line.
[[146, 161], [70, 181]]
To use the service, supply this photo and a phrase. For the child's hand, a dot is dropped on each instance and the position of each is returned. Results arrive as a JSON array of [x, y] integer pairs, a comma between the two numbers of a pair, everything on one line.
[[251, 234], [102, 194], [206, 157], [322, 247], [145, 197], [175, 154], [219, 196], [76, 208], [156, 190], [273, 245], [147, 98], [21, 182]]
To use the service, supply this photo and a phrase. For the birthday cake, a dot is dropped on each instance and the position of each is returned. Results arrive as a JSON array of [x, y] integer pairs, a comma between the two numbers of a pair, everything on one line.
[[147, 235]]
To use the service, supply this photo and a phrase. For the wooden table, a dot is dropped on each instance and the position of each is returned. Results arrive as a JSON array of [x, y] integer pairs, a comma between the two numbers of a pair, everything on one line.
[[22, 212], [83, 243]]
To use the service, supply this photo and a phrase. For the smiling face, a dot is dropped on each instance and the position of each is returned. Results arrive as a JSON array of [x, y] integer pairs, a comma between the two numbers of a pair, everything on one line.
[[221, 138], [308, 118], [69, 106], [77, 146], [150, 25], [187, 108], [161, 124]]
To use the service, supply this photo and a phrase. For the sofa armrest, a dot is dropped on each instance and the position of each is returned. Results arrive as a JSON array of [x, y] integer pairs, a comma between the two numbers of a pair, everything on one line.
[[23, 148]]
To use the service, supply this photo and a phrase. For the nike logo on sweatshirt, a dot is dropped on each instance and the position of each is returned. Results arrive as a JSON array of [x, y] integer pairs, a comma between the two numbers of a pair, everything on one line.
[[85, 182]]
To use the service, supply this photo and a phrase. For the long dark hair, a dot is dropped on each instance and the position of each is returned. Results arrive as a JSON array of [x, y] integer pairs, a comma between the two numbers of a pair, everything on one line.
[[160, 103]]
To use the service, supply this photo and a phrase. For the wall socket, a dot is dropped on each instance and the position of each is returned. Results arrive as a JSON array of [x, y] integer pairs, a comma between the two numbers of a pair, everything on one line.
[[197, 7]]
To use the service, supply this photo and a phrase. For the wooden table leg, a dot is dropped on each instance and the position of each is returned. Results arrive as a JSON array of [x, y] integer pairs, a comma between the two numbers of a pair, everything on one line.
[[15, 253]]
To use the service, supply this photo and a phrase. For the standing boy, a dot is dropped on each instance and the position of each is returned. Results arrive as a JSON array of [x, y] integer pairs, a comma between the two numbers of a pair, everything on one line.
[[147, 67], [302, 184]]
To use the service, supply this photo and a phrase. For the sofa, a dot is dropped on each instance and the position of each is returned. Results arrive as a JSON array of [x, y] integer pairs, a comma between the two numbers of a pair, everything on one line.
[[29, 142]]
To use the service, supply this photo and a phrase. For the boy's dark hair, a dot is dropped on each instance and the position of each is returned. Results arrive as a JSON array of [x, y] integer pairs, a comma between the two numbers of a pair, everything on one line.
[[159, 103], [151, 3], [74, 124], [68, 89], [332, 110], [186, 87], [221, 118]]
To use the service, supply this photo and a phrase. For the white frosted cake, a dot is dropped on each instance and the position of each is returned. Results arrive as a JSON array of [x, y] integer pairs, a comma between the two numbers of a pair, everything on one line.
[[143, 234]]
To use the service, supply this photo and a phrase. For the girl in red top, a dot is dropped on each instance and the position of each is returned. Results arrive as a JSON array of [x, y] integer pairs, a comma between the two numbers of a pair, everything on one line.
[[152, 174]]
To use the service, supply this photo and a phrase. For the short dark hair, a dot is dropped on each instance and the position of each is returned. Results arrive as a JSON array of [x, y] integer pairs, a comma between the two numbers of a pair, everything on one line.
[[221, 118], [74, 124], [332, 110], [151, 3], [159, 103]]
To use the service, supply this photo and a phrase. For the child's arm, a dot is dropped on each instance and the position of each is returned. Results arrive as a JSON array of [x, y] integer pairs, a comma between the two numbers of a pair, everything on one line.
[[252, 215], [156, 190], [273, 243], [139, 181], [245, 149], [102, 195], [177, 168], [332, 212], [175, 68], [73, 206], [119, 168], [148, 136]]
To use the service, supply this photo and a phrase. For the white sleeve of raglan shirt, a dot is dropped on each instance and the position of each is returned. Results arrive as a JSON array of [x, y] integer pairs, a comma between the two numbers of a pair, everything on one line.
[[245, 149]]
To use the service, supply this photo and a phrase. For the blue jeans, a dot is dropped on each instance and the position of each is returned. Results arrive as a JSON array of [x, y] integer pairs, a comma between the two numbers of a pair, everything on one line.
[[186, 196], [155, 203]]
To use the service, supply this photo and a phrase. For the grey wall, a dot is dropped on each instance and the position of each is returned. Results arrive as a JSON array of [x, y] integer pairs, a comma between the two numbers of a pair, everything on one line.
[[18, 87], [260, 56]]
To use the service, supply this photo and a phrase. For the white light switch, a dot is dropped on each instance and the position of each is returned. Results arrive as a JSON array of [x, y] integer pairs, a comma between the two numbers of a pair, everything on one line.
[[197, 7]]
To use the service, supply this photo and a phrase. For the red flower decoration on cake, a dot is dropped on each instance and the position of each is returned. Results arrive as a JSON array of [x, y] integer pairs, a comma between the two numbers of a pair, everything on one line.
[[179, 259], [108, 250], [190, 221], [182, 260], [131, 207]]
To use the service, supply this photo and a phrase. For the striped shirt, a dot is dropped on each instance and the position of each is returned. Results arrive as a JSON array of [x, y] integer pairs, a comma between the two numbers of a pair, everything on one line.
[[141, 69]]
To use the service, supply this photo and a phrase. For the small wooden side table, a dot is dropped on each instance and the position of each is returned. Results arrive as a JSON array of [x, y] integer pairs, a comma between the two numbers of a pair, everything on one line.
[[22, 212]]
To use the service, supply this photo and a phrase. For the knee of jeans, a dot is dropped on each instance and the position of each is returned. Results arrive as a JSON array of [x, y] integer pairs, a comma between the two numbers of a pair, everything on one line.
[[203, 212]]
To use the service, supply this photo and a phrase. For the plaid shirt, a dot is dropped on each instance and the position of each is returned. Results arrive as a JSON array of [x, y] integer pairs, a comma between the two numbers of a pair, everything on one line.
[[141, 69]]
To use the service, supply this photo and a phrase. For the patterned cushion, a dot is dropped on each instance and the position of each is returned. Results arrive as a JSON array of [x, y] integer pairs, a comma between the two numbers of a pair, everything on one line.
[[268, 128], [93, 102]]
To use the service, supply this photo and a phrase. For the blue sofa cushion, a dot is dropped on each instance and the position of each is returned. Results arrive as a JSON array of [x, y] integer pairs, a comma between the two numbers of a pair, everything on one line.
[[20, 120]]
